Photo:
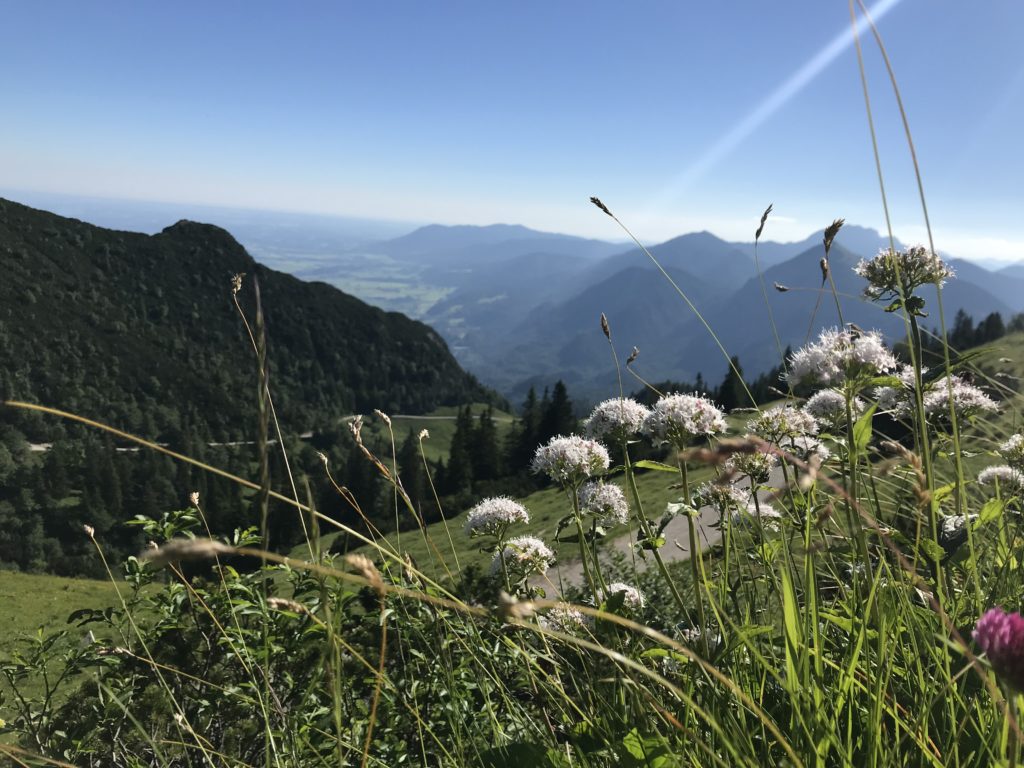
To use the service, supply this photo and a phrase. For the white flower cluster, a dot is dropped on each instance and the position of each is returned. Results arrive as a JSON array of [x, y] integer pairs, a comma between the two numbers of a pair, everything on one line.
[[757, 465], [492, 516], [565, 618], [695, 637], [632, 598], [604, 501], [806, 448], [1013, 451], [1009, 478], [838, 356], [570, 460], [763, 514], [616, 420], [523, 556], [719, 496], [896, 400], [968, 400], [829, 407], [783, 421], [677, 419], [891, 272]]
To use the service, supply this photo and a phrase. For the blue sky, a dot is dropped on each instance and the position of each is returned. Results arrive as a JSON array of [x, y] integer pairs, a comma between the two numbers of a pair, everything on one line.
[[680, 115]]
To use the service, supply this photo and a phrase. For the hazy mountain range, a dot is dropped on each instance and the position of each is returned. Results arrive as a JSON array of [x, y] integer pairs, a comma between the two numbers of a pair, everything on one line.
[[522, 307], [518, 306]]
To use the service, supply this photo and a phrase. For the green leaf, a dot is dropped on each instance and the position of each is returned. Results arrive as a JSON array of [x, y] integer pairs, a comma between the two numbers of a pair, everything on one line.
[[791, 624], [523, 753], [650, 751], [993, 510], [915, 306], [933, 550], [862, 429], [885, 381], [651, 544], [659, 466], [665, 653], [846, 624]]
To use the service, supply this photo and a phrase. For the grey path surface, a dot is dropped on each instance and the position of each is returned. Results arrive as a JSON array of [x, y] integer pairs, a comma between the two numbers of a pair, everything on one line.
[[677, 544]]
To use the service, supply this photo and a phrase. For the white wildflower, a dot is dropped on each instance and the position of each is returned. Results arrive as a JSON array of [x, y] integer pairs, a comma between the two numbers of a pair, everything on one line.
[[567, 619], [891, 273], [896, 400], [968, 400], [829, 406], [839, 356], [762, 513], [677, 419], [695, 637], [492, 516], [757, 465], [781, 422], [1009, 478], [719, 496], [604, 501], [1013, 451], [632, 598], [616, 420], [806, 448], [570, 460], [523, 556]]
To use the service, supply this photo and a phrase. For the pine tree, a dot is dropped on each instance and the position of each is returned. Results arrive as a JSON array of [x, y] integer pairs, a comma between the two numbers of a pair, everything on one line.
[[459, 474], [411, 471], [732, 393], [524, 437], [962, 335], [558, 417], [486, 459], [990, 329]]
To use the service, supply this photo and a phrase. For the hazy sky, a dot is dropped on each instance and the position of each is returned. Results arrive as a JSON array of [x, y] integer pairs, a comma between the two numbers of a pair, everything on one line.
[[680, 115]]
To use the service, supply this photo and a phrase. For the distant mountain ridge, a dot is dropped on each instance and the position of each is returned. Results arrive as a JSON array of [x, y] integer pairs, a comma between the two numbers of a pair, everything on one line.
[[524, 321], [520, 306]]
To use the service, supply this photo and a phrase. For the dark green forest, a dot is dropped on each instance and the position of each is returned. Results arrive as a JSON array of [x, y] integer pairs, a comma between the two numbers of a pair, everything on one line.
[[141, 332]]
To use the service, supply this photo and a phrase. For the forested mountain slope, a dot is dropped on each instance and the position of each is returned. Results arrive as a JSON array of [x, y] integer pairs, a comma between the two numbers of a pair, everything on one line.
[[141, 332]]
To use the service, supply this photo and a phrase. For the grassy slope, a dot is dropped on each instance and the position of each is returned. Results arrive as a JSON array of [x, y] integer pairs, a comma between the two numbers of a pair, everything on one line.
[[440, 423], [31, 601]]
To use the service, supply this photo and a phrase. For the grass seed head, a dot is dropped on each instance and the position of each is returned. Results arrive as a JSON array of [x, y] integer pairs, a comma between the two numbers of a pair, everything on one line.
[[597, 201], [367, 570], [830, 233], [176, 550], [764, 218]]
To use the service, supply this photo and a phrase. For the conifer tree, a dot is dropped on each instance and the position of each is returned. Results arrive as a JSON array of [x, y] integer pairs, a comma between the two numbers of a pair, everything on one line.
[[485, 456], [732, 393], [524, 437], [411, 471], [558, 417]]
